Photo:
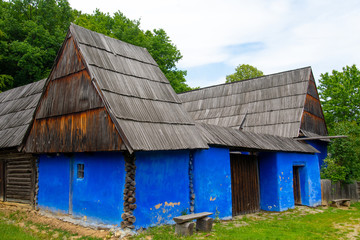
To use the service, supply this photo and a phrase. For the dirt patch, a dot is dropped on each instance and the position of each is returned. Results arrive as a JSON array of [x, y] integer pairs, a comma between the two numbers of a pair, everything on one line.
[[352, 229], [26, 213]]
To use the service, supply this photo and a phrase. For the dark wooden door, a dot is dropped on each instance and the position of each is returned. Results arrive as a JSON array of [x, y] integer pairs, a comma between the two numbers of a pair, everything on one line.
[[244, 184], [2, 180], [296, 184]]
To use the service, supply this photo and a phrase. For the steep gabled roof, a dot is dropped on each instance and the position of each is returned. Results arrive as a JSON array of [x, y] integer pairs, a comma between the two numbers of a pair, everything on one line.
[[137, 93], [17, 107], [97, 77], [279, 104]]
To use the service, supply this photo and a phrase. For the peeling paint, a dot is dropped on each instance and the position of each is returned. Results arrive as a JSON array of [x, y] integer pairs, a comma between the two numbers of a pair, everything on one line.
[[158, 206], [172, 204]]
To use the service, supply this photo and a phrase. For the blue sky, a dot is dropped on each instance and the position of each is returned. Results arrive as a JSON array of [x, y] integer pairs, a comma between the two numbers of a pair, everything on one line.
[[214, 36]]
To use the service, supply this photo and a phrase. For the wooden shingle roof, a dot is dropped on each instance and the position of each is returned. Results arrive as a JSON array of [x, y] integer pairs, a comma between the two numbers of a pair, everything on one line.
[[140, 101], [236, 139], [279, 104], [17, 107]]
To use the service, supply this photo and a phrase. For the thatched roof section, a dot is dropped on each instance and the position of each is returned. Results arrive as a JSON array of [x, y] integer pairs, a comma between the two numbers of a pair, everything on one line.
[[236, 139], [272, 104], [149, 114], [17, 108]]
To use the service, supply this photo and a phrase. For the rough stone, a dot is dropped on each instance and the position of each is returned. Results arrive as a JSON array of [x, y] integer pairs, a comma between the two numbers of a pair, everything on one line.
[[185, 229], [132, 206], [204, 224]]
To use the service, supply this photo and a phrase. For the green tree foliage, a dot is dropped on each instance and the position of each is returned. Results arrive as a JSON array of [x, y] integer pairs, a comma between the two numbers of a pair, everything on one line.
[[343, 162], [6, 82], [157, 42], [31, 32], [242, 72], [340, 99], [340, 96]]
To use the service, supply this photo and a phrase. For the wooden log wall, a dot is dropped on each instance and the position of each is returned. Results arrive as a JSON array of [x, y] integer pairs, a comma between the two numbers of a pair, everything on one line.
[[19, 178]]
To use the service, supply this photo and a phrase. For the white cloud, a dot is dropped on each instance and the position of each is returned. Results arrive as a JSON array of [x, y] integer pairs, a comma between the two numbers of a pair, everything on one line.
[[323, 34]]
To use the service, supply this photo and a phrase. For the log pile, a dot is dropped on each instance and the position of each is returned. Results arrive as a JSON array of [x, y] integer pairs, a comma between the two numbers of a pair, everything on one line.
[[129, 194]]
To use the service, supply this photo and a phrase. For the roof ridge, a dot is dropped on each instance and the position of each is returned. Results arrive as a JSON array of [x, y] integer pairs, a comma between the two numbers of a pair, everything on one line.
[[245, 80]]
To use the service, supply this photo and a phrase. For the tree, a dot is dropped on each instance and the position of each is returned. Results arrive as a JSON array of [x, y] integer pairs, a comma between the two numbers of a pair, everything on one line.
[[242, 72], [340, 96], [32, 32], [343, 161], [340, 99], [6, 82]]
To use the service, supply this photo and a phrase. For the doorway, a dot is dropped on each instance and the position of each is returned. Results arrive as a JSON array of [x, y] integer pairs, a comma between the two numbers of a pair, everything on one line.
[[296, 185], [2, 181], [244, 184]]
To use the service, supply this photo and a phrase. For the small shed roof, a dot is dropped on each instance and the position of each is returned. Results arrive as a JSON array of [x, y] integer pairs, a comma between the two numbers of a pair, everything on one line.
[[233, 138], [278, 104], [17, 107]]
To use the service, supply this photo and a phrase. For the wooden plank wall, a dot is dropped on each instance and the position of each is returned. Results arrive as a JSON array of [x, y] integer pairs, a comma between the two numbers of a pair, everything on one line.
[[313, 118], [244, 184], [19, 177]]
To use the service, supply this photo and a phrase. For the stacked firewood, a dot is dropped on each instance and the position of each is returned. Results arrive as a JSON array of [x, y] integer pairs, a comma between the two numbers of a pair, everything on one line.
[[129, 194]]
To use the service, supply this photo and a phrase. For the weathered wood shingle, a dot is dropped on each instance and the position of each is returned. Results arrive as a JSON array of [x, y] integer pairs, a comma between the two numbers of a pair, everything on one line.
[[17, 107], [147, 111], [236, 139], [278, 104]]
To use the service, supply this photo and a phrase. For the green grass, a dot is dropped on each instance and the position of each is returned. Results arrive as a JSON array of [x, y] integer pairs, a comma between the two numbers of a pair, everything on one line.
[[14, 226], [10, 232], [292, 224]]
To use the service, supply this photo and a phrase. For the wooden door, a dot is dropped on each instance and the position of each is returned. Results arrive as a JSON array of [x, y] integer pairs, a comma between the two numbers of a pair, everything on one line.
[[2, 180], [296, 185], [244, 184]]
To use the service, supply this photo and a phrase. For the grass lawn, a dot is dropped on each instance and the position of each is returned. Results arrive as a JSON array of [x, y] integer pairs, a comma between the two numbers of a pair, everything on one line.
[[15, 226], [299, 223]]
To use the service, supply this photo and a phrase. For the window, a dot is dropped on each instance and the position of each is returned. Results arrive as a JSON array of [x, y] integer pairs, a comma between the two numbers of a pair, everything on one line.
[[80, 170]]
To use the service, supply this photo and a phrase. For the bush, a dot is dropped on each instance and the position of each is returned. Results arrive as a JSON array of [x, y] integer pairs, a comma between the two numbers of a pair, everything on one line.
[[333, 171]]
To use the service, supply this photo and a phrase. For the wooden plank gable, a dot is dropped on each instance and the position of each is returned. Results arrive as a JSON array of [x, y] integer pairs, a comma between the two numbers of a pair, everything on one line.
[[313, 119], [71, 116]]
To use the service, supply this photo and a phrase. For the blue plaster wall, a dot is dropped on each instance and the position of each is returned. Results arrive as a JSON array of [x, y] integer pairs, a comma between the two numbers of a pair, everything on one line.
[[99, 195], [269, 187], [212, 181], [162, 186], [53, 179], [276, 180], [321, 146]]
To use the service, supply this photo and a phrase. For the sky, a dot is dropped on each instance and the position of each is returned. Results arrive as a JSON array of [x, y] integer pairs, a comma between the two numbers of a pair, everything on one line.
[[215, 36]]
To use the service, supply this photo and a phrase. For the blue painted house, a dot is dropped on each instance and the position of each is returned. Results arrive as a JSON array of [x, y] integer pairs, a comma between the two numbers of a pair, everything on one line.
[[115, 145], [284, 104]]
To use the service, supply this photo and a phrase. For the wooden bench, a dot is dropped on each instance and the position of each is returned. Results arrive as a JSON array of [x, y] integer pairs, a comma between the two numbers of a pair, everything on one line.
[[340, 202], [185, 226]]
